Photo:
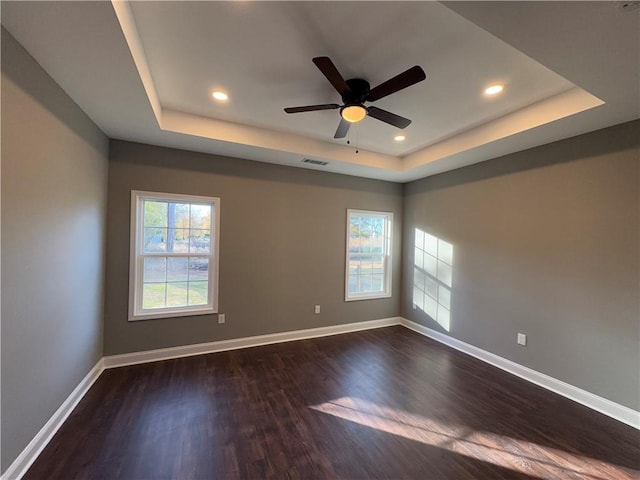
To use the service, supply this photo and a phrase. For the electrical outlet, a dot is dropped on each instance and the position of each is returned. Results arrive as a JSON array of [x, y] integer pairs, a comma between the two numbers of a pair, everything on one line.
[[415, 306], [221, 318], [317, 309], [522, 339]]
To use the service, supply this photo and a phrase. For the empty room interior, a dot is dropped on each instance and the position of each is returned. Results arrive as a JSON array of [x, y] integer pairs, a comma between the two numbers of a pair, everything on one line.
[[309, 240]]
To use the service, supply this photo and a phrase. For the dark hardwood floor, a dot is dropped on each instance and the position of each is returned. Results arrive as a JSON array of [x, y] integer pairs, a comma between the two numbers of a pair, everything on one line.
[[385, 403]]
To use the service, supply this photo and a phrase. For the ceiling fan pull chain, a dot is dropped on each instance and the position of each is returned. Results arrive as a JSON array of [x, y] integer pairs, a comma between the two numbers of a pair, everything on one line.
[[357, 136]]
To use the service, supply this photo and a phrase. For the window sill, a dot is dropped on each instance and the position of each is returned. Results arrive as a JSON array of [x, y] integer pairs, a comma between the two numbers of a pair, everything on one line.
[[367, 297], [171, 314]]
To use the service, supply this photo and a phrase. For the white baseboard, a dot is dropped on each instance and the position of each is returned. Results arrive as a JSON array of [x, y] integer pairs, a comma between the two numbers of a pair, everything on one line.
[[134, 358], [607, 407], [21, 464], [26, 458]]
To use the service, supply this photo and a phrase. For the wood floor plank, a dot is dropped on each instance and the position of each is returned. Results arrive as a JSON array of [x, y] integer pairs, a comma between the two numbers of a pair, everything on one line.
[[384, 403]]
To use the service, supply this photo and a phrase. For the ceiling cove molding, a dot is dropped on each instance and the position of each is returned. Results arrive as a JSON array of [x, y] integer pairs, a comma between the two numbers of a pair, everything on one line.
[[132, 37], [555, 107], [189, 124], [569, 102]]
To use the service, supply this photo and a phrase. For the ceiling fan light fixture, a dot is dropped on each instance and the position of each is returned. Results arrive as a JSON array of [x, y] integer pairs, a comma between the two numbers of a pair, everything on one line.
[[353, 113]]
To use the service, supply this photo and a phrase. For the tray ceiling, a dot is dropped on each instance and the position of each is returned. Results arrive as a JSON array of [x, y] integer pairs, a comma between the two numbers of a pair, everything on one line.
[[145, 71]]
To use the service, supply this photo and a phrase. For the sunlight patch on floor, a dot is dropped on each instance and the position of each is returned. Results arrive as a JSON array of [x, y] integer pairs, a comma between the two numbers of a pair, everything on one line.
[[517, 455]]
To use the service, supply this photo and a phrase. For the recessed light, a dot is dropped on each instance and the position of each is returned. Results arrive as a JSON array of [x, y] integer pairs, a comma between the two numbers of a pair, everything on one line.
[[218, 95], [401, 137], [494, 89]]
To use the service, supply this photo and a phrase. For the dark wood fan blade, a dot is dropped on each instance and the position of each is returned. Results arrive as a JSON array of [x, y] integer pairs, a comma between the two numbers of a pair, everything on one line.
[[312, 108], [343, 128], [330, 71], [405, 79], [388, 117]]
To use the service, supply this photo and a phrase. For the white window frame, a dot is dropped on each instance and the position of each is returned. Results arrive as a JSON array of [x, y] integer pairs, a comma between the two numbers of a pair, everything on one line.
[[387, 256], [136, 257]]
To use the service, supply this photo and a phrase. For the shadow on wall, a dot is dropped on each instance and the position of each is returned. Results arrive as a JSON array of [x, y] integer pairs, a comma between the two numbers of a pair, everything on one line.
[[21, 69], [433, 277]]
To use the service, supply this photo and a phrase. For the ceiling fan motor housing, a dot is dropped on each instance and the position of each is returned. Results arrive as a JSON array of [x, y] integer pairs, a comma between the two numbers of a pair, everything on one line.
[[358, 92]]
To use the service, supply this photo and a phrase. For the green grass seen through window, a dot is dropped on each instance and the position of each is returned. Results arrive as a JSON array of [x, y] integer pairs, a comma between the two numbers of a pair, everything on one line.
[[178, 294]]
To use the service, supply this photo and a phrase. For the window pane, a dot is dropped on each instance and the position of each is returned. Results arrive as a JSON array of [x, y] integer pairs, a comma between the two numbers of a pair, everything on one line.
[[201, 216], [155, 214], [155, 269], [377, 244], [353, 284], [153, 295], [376, 283], [378, 226], [360, 263], [200, 241], [366, 267], [365, 226], [377, 264], [354, 222], [354, 244], [198, 268], [354, 267], [177, 294], [177, 269], [198, 293], [365, 283], [178, 240], [178, 215], [365, 243], [154, 239]]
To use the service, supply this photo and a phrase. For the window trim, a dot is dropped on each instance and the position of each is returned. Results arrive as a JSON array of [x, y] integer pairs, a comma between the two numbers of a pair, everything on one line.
[[136, 258], [388, 257]]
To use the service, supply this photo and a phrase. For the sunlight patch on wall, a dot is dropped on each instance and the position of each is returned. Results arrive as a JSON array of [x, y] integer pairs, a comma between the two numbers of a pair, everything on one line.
[[433, 277], [521, 456]]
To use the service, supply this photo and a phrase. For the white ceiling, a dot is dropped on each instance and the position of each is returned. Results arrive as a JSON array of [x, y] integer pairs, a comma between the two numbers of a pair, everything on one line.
[[144, 71]]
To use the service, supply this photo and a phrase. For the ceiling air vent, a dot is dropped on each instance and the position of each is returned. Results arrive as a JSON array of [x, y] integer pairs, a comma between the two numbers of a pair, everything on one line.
[[314, 162], [628, 6]]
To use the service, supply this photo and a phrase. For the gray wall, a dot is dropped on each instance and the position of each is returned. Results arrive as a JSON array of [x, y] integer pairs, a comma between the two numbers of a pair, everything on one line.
[[54, 175], [282, 245], [546, 242]]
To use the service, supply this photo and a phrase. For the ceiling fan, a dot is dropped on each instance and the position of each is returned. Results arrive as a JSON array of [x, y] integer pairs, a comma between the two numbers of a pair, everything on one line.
[[356, 91]]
